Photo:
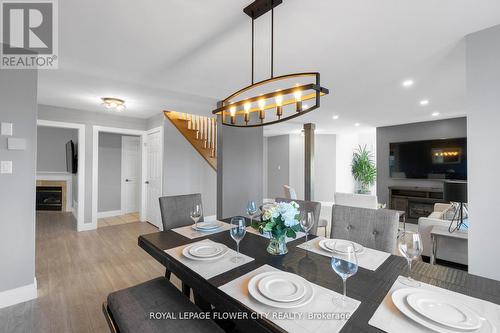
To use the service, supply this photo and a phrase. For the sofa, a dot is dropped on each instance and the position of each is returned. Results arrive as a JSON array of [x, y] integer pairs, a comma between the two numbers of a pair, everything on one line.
[[451, 250]]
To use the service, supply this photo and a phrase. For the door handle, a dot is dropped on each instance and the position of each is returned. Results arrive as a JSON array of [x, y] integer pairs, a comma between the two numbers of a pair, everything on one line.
[[127, 180], [146, 182]]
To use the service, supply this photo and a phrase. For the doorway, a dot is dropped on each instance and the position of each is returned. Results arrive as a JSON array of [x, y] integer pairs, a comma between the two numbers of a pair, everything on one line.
[[127, 199]]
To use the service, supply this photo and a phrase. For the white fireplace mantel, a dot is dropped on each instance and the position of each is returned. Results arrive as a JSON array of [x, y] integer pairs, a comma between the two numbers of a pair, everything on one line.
[[60, 176]]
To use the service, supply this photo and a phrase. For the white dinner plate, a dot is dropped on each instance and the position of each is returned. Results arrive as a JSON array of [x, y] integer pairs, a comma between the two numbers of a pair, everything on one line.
[[444, 310], [399, 299], [255, 293], [328, 244], [282, 287], [206, 249], [207, 226], [185, 253]]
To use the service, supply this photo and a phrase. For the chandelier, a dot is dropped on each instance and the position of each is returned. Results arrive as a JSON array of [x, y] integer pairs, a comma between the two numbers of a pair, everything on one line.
[[283, 98]]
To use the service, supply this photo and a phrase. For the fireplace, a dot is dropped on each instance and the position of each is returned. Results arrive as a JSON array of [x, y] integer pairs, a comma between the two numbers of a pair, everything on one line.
[[418, 209], [49, 198]]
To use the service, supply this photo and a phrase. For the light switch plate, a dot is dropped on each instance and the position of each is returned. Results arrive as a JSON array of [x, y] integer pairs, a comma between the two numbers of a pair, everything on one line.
[[7, 129], [16, 144], [5, 166]]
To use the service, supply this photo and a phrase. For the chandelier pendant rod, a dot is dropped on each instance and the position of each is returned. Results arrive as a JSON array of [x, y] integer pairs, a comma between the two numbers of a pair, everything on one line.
[[272, 42], [253, 51]]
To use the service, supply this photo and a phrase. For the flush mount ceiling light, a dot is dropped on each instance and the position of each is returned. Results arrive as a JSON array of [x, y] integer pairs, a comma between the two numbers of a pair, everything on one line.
[[114, 104], [249, 106]]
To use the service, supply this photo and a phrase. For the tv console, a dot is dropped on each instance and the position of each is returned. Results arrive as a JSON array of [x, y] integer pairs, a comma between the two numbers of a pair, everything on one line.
[[415, 201]]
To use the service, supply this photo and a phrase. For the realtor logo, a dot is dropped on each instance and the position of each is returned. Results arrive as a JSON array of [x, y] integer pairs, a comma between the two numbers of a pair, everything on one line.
[[29, 34]]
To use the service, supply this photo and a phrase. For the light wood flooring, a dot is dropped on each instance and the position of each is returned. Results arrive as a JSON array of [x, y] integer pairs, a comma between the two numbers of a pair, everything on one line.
[[75, 273], [116, 220]]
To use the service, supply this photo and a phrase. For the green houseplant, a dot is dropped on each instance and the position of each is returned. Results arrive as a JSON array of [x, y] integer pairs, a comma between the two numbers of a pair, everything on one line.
[[363, 169]]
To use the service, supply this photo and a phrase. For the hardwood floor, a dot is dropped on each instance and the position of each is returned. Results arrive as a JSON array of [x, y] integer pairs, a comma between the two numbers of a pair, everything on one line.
[[115, 220], [75, 273]]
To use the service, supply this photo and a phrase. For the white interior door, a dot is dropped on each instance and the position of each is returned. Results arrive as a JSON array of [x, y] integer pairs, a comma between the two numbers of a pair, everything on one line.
[[153, 178], [131, 174]]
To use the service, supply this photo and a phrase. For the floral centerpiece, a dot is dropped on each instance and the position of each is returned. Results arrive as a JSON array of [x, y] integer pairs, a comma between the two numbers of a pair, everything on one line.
[[279, 221]]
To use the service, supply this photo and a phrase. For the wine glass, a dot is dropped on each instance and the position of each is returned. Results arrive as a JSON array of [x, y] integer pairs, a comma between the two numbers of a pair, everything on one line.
[[345, 264], [196, 213], [251, 210], [410, 245], [237, 231], [307, 222]]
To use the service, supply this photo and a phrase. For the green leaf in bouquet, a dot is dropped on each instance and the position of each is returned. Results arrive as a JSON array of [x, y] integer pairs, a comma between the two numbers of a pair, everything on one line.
[[291, 233]]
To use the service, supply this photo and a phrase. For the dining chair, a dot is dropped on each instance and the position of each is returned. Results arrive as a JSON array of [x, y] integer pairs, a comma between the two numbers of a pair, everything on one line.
[[175, 212], [308, 206], [373, 228], [128, 310], [289, 192]]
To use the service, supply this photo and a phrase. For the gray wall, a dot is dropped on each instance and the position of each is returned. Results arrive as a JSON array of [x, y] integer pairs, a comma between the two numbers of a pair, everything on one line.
[[51, 148], [429, 130], [185, 171], [110, 171], [483, 83], [239, 169], [18, 94], [47, 112], [278, 168]]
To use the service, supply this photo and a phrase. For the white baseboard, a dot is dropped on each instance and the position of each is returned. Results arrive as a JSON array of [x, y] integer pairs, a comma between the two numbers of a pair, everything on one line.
[[86, 227], [109, 213], [18, 295]]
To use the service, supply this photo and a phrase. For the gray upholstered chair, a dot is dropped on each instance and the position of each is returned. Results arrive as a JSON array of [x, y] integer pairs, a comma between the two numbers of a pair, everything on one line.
[[128, 310], [289, 192], [308, 206], [175, 212], [373, 228], [176, 209]]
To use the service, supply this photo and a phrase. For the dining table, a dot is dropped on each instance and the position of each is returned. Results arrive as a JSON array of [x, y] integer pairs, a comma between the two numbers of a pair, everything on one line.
[[367, 286]]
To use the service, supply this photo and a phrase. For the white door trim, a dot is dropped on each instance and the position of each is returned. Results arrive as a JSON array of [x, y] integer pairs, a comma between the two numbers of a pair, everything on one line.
[[95, 165], [81, 165], [144, 167]]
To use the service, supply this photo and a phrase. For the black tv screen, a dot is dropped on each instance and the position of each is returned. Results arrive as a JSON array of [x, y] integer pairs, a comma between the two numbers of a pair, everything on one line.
[[71, 157], [431, 159]]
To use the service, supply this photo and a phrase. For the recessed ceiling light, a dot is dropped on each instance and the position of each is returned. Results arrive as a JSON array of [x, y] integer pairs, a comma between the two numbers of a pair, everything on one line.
[[424, 102], [407, 83], [335, 117], [435, 114], [356, 124]]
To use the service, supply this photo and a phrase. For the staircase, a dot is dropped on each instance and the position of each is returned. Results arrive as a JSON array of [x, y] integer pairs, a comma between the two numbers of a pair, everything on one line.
[[201, 132]]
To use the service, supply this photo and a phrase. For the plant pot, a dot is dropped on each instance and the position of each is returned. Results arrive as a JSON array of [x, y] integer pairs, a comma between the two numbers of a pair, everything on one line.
[[277, 246], [363, 188]]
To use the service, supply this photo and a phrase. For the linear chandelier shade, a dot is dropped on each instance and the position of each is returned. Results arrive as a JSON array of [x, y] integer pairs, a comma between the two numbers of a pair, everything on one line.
[[239, 110]]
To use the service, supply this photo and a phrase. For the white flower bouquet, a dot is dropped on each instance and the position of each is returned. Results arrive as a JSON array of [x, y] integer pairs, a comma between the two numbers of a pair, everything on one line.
[[280, 220]]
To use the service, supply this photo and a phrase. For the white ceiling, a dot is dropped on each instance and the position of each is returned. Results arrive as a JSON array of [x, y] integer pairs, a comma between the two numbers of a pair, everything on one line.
[[185, 55]]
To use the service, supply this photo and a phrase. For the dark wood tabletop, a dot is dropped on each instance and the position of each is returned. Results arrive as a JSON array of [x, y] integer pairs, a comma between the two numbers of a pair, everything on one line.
[[369, 287]]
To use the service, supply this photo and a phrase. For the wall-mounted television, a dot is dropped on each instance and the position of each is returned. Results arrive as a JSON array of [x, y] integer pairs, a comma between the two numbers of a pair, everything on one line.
[[71, 157], [430, 159]]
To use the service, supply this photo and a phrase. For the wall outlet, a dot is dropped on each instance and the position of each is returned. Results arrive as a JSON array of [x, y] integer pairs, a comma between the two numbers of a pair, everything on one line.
[[7, 129], [5, 166]]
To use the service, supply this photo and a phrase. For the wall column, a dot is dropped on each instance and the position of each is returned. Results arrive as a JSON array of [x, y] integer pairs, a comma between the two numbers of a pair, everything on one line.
[[309, 161]]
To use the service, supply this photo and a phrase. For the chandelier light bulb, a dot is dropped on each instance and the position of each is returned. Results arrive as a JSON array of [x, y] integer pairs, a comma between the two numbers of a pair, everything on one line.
[[232, 111], [247, 107], [279, 100], [262, 103], [298, 95]]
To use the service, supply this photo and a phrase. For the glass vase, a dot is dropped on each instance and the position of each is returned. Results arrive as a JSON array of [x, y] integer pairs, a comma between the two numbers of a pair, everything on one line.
[[277, 246]]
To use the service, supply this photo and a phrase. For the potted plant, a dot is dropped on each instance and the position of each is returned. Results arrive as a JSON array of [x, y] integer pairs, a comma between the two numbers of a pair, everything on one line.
[[279, 220], [363, 169]]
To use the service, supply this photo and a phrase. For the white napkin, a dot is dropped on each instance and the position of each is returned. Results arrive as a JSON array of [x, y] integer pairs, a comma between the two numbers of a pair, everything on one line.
[[298, 320], [210, 268], [251, 230], [388, 318], [190, 233], [370, 259]]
